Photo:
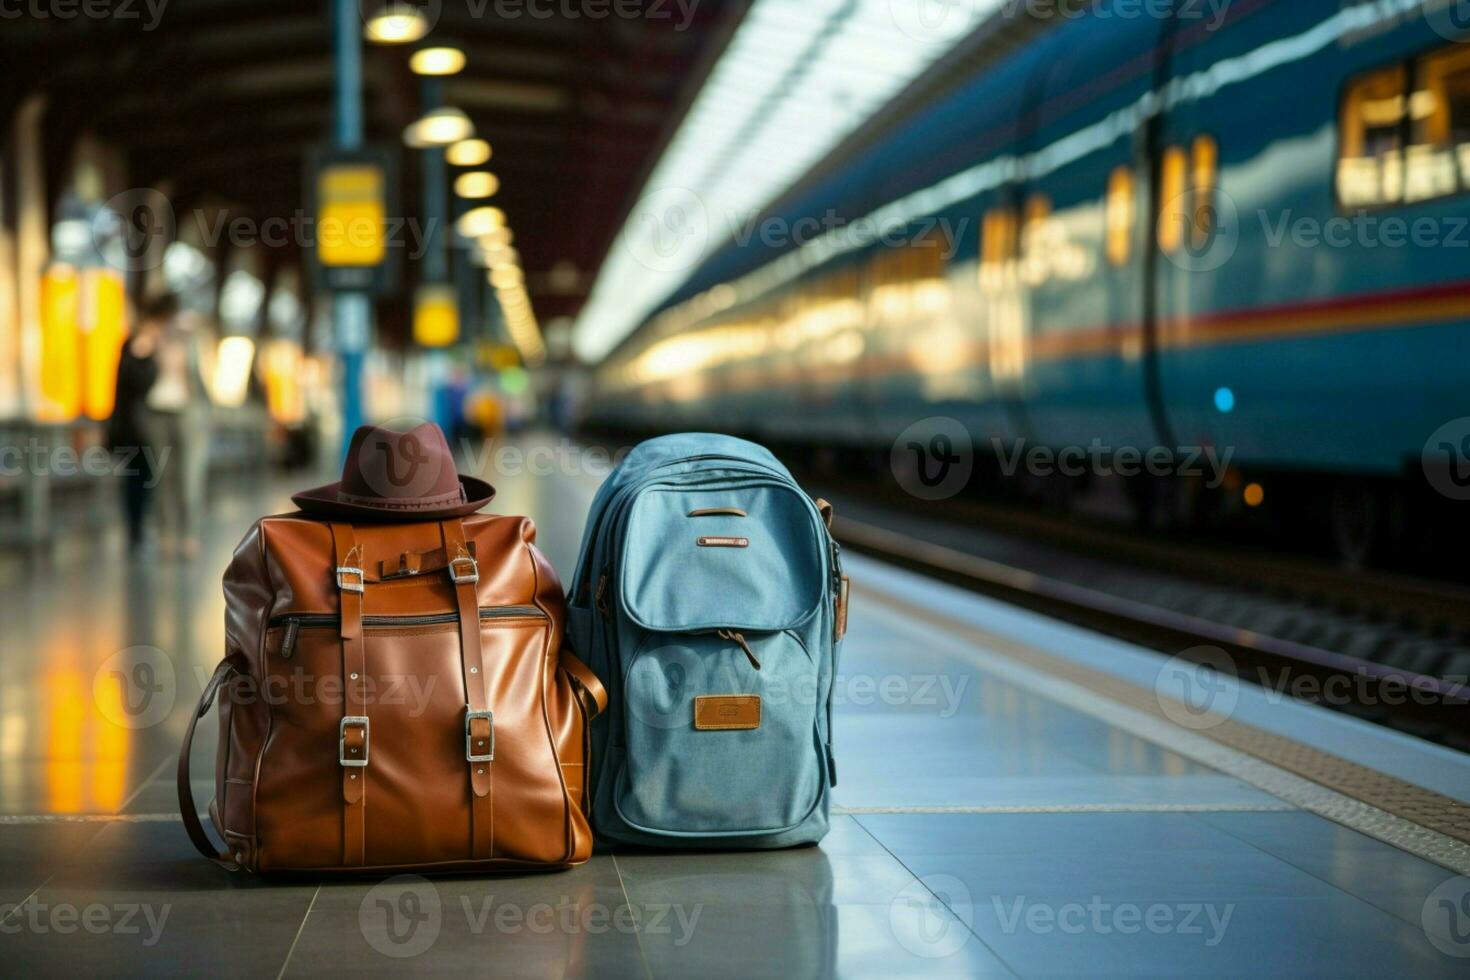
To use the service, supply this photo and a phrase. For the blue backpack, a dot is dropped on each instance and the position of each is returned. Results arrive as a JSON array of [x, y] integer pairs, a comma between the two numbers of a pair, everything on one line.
[[710, 599]]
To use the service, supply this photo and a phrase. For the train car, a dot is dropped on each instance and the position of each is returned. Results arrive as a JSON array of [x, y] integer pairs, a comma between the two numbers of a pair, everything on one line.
[[1240, 228]]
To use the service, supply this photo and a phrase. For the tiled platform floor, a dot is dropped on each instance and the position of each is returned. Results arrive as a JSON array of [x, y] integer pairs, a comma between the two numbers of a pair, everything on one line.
[[983, 830]]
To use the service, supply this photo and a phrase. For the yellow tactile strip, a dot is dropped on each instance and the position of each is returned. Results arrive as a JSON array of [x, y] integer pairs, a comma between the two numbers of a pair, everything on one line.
[[1430, 810]]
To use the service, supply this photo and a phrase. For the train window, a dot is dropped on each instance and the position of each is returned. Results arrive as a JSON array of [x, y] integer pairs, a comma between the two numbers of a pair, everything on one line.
[[1438, 160], [1405, 131], [1173, 175], [997, 246], [1120, 212], [1205, 180], [1036, 240], [1371, 141]]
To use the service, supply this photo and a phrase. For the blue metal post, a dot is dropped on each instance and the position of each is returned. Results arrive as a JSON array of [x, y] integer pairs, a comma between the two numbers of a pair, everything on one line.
[[436, 265], [351, 312]]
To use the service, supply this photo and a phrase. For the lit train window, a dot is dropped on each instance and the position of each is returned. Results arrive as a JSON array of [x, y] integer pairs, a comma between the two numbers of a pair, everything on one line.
[[1120, 211], [1438, 159], [1370, 166], [1205, 176], [1036, 240], [1173, 202], [998, 246], [1405, 131]]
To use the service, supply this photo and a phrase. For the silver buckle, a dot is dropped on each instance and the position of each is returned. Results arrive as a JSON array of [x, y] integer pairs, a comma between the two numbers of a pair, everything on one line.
[[350, 586], [470, 577], [342, 741], [469, 753]]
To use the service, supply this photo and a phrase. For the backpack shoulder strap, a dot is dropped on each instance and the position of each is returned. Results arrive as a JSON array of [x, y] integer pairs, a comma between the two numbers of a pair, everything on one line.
[[187, 808]]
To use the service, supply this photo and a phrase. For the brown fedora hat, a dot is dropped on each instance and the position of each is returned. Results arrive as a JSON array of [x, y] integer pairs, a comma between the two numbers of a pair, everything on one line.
[[398, 476]]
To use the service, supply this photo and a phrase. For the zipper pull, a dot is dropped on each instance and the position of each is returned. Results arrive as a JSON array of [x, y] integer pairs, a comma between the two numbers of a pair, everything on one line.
[[739, 640], [288, 643], [600, 599]]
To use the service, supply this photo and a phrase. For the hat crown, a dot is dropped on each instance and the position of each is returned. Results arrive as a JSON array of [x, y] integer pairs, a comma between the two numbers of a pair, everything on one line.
[[413, 466]]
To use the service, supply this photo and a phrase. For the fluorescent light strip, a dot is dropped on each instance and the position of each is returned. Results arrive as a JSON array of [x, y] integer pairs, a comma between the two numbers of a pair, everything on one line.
[[793, 82], [994, 172]]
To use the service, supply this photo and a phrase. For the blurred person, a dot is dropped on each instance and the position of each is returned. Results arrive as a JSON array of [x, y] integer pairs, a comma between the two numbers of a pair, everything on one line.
[[178, 409], [129, 431]]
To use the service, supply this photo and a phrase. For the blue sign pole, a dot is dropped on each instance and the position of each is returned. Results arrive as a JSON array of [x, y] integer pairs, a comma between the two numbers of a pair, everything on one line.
[[351, 311]]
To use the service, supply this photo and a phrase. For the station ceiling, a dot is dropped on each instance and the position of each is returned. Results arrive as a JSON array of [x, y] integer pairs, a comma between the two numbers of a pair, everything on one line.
[[222, 99]]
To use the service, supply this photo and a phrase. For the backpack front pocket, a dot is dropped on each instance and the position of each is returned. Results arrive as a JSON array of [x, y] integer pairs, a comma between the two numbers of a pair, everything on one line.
[[714, 723]]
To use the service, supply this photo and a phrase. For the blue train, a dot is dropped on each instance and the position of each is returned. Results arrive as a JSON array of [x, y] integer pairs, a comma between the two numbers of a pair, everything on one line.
[[1244, 227]]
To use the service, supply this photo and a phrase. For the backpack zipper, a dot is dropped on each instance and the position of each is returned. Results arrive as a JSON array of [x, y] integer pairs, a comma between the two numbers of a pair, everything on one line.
[[739, 639], [294, 622]]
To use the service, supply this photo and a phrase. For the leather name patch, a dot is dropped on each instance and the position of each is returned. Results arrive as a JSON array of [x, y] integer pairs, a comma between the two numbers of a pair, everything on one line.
[[713, 541], [727, 712]]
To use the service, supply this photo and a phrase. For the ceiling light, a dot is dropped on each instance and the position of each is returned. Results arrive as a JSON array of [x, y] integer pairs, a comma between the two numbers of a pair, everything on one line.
[[440, 127], [498, 238], [507, 276], [437, 61], [480, 221], [468, 153], [476, 184], [500, 257], [396, 23]]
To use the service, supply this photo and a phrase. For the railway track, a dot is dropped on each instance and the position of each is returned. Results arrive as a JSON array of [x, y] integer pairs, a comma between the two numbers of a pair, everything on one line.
[[1390, 649]]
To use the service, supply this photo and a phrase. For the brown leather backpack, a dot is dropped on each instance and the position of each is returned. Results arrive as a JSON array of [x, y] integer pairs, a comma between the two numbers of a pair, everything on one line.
[[393, 697]]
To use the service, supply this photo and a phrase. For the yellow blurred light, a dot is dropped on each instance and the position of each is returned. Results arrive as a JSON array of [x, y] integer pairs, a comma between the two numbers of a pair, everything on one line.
[[439, 127], [61, 345], [396, 23], [1254, 495], [232, 371], [501, 256], [499, 238], [476, 184], [480, 221], [435, 316], [467, 153], [507, 276], [104, 326], [437, 61]]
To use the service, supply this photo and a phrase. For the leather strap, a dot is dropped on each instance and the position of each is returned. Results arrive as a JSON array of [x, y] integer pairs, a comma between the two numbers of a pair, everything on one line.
[[354, 741], [588, 687], [479, 731], [825, 509], [187, 809]]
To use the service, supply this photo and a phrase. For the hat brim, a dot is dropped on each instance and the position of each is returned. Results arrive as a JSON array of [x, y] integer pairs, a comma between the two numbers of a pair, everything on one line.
[[323, 500]]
